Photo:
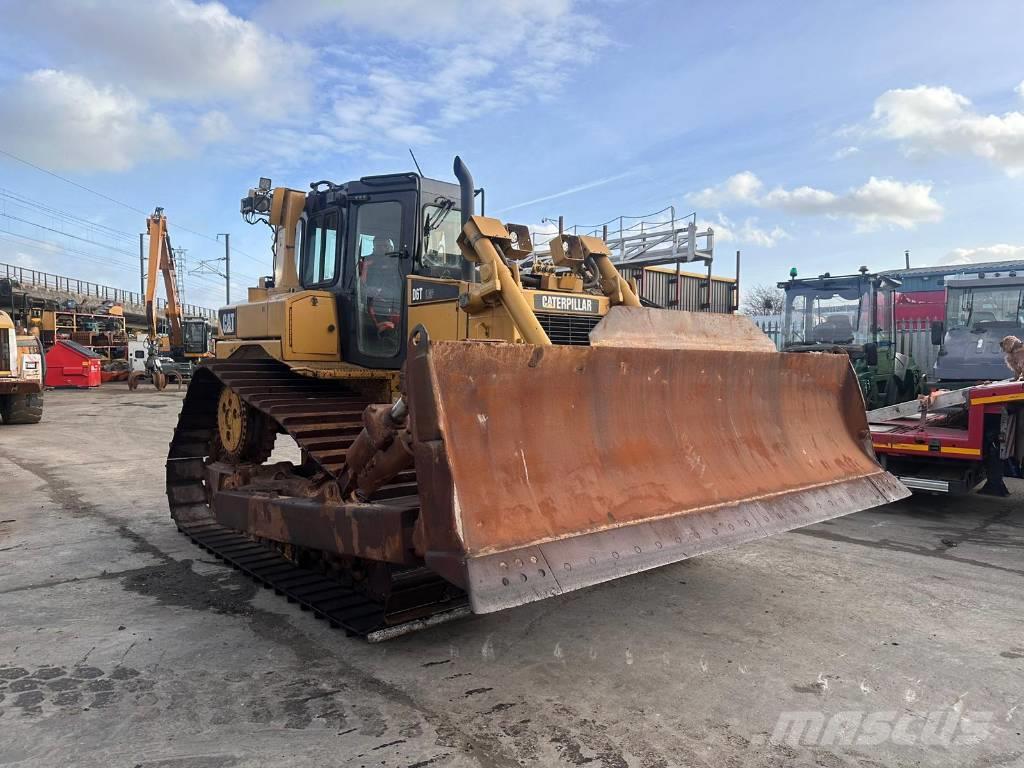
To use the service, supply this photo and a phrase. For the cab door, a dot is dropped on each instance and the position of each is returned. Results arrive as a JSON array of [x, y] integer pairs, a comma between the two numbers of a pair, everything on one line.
[[378, 259]]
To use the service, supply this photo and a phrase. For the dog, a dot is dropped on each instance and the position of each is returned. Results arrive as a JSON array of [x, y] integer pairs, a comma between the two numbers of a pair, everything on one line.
[[1013, 353]]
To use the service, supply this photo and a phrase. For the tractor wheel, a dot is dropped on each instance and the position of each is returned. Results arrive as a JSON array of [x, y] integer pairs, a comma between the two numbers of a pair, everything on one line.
[[22, 409]]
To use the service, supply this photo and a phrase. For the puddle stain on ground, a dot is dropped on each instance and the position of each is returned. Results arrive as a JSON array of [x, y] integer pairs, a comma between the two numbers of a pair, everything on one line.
[[48, 689]]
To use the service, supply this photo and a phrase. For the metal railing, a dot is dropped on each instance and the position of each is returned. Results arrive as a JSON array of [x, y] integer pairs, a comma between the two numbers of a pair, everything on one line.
[[47, 280], [657, 238]]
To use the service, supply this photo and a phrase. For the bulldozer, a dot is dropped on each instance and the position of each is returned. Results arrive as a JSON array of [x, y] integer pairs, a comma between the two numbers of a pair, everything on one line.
[[472, 435], [22, 373]]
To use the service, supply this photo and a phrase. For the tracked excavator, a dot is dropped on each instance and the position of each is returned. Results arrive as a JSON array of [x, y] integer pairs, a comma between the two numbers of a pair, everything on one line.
[[472, 436], [171, 357]]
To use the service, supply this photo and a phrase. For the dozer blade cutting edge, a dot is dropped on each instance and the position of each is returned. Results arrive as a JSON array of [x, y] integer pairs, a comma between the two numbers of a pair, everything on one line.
[[548, 469]]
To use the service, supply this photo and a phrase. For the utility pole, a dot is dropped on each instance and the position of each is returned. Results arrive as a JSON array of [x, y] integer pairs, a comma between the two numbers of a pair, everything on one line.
[[142, 267], [227, 266]]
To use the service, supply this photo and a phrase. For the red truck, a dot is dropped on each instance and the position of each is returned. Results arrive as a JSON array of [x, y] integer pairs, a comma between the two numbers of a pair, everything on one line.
[[950, 442]]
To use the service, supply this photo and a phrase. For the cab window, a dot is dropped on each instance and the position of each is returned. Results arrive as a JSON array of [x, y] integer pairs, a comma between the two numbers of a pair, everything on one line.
[[320, 262], [379, 278], [441, 254]]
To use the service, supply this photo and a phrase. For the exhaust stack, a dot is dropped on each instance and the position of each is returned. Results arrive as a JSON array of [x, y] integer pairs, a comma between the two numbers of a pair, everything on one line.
[[466, 205]]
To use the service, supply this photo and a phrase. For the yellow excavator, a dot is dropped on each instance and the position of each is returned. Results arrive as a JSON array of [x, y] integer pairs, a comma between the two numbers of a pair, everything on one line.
[[468, 435], [168, 357]]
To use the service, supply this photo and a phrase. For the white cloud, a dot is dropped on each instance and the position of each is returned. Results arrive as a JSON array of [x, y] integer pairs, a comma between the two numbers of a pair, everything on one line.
[[930, 118], [395, 73], [845, 152], [383, 109], [69, 122], [215, 126], [171, 49], [876, 202], [748, 232], [22, 259], [444, 63], [981, 254], [741, 187], [131, 80]]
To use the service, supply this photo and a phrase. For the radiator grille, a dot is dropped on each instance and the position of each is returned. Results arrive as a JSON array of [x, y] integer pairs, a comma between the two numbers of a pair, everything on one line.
[[568, 329]]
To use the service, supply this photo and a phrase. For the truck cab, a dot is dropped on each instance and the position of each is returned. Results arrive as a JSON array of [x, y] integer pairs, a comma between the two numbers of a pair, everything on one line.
[[980, 312]]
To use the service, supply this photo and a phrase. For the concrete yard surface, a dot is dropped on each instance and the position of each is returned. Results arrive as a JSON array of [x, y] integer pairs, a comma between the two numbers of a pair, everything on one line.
[[893, 637]]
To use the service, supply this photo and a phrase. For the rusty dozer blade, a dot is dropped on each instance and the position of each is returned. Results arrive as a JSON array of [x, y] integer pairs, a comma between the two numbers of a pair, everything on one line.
[[547, 469]]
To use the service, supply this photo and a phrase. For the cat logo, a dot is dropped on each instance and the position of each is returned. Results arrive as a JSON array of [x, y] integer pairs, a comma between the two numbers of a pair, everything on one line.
[[227, 322], [548, 302]]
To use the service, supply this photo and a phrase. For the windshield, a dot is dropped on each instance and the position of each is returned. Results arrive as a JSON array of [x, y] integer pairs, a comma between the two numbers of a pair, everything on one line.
[[195, 331], [441, 255], [831, 316], [981, 308]]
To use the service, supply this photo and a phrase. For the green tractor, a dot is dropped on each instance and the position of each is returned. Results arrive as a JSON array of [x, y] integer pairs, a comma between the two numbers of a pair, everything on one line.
[[852, 315]]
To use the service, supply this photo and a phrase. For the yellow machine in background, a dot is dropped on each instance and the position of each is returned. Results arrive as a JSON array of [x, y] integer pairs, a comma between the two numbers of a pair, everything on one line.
[[168, 356], [477, 435], [22, 373]]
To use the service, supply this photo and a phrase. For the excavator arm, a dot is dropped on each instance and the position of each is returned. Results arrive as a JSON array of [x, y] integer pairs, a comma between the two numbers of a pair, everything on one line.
[[161, 259]]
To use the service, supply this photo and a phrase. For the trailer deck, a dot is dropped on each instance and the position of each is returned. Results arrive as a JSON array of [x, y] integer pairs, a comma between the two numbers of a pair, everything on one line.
[[939, 444]]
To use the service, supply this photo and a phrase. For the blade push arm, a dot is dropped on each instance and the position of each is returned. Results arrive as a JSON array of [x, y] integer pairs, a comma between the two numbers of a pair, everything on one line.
[[482, 241]]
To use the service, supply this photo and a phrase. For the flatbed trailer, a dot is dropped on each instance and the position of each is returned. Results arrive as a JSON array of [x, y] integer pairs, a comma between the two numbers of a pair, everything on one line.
[[953, 441]]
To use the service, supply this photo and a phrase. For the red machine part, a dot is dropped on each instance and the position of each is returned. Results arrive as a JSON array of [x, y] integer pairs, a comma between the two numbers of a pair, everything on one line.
[[931, 436], [920, 305], [69, 364]]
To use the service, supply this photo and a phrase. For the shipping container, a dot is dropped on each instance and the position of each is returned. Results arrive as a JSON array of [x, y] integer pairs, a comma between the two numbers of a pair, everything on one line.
[[663, 286]]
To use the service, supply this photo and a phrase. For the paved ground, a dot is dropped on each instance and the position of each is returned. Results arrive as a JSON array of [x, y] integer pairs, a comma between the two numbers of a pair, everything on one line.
[[897, 633]]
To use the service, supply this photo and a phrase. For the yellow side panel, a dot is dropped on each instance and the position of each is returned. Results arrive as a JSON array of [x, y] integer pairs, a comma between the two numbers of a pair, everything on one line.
[[494, 324], [251, 321], [442, 320], [311, 325]]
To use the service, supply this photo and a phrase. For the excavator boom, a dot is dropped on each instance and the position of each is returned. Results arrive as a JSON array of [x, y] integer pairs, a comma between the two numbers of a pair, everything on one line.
[[161, 261]]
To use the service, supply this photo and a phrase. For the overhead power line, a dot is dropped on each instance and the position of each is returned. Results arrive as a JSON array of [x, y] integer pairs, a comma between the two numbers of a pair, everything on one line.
[[20, 201], [91, 191], [94, 258], [66, 234]]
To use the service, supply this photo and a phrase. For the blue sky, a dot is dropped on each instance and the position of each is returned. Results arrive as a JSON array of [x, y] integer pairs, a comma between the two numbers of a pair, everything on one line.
[[816, 135]]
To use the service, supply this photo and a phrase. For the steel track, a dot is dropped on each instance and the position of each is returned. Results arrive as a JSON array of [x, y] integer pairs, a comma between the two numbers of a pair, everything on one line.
[[323, 418]]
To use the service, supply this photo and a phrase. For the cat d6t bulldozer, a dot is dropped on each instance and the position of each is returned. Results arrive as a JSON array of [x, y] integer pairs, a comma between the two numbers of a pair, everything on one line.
[[473, 436]]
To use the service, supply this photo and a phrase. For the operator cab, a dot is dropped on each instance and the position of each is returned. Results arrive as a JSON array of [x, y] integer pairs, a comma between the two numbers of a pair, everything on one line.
[[852, 312], [980, 311], [197, 335], [360, 240]]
